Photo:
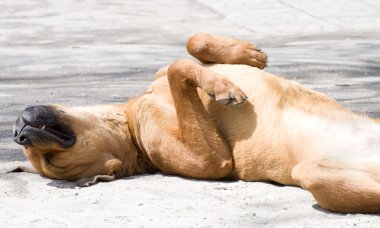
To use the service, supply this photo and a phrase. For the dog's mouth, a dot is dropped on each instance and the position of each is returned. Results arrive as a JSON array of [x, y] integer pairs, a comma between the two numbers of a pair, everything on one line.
[[39, 126]]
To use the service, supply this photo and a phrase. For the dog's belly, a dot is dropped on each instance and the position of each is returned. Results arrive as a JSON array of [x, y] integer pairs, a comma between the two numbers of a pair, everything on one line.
[[268, 140], [254, 130]]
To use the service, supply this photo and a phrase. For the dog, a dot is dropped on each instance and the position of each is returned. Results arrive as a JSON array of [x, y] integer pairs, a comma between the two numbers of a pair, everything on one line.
[[222, 118]]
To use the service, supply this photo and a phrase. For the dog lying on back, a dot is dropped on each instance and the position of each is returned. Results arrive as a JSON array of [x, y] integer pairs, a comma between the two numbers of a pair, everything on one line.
[[224, 118]]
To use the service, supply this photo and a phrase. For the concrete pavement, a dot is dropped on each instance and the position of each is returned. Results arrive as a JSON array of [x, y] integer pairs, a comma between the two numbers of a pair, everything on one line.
[[93, 52]]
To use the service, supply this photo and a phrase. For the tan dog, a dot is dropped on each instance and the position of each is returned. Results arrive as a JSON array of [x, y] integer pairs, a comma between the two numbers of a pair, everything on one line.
[[215, 121]]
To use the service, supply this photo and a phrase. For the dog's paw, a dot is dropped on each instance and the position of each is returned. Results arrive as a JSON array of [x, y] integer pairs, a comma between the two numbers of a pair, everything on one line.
[[252, 56], [218, 49], [226, 93]]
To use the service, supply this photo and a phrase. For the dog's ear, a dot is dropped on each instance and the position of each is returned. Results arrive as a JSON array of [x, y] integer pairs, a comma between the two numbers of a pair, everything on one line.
[[113, 168], [88, 181], [20, 169]]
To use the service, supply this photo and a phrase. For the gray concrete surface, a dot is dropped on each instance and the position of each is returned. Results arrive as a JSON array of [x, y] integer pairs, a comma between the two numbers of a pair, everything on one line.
[[95, 52]]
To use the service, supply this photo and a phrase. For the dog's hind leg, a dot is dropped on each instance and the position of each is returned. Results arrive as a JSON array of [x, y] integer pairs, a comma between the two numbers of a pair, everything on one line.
[[216, 49], [341, 186]]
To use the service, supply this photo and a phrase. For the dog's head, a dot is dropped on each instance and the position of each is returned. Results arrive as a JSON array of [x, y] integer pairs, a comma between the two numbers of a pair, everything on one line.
[[82, 144]]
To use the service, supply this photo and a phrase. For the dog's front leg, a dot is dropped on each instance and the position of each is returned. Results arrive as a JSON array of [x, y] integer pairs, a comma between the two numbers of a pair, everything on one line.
[[196, 130], [191, 145]]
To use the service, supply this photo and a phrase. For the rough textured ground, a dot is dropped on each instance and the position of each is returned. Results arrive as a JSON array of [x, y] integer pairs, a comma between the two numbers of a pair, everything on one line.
[[95, 52]]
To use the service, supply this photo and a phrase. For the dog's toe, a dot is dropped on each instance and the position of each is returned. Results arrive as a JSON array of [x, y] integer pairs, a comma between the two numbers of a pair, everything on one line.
[[232, 98]]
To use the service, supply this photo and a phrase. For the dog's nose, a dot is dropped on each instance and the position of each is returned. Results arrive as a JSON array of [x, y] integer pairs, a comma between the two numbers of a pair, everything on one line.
[[19, 137], [35, 116]]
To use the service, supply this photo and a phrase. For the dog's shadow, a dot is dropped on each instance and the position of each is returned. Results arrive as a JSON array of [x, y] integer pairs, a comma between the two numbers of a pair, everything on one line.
[[71, 185], [318, 208], [62, 184]]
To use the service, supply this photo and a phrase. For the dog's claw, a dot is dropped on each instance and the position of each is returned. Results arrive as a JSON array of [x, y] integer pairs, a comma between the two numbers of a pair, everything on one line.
[[233, 99], [212, 95], [222, 90], [225, 101]]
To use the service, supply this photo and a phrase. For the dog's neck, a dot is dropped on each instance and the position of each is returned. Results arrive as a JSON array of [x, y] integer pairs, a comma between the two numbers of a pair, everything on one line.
[[142, 163], [134, 159]]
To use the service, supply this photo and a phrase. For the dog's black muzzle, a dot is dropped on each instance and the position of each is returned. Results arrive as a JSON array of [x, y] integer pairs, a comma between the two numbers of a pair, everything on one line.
[[41, 125]]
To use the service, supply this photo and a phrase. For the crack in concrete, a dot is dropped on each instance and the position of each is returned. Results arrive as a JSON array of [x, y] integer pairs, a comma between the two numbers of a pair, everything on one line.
[[300, 10], [225, 17]]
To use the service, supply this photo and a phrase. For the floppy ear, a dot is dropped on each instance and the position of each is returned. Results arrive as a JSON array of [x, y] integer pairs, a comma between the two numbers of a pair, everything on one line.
[[20, 169], [113, 167], [88, 181]]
